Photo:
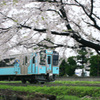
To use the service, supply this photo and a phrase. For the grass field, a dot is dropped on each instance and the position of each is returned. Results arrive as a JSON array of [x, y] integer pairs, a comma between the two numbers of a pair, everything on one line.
[[61, 82], [76, 82], [61, 92]]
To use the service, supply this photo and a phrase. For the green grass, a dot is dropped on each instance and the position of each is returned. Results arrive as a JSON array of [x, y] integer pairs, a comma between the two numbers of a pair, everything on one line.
[[76, 82], [61, 92], [10, 82], [67, 97], [62, 82]]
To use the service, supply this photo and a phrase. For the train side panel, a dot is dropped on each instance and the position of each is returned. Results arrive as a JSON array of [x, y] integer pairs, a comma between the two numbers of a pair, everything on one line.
[[31, 68], [10, 70], [42, 70], [56, 70], [7, 71]]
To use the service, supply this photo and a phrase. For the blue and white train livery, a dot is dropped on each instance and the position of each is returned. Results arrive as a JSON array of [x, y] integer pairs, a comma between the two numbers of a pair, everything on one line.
[[33, 67]]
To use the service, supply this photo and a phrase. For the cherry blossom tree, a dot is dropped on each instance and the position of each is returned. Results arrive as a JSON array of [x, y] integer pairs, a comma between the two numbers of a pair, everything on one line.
[[63, 23]]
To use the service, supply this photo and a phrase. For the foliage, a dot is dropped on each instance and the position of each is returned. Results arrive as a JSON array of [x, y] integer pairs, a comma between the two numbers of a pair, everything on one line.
[[81, 57], [68, 68], [95, 65], [62, 68]]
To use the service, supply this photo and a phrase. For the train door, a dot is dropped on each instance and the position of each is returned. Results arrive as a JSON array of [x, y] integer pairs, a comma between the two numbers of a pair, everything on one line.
[[31, 67], [24, 66], [49, 63]]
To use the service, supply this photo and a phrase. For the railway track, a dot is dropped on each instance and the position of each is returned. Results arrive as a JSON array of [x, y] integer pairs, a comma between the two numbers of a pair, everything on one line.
[[60, 84], [49, 84]]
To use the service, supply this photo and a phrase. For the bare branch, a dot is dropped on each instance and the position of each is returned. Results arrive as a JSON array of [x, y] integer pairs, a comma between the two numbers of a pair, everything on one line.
[[56, 12], [4, 30], [82, 7], [98, 51], [96, 16], [71, 4], [8, 17], [57, 33], [40, 30], [91, 12]]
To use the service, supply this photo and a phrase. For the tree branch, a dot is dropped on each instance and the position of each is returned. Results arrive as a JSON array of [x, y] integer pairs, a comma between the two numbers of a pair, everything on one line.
[[56, 12], [91, 12], [89, 15], [80, 40], [7, 17]]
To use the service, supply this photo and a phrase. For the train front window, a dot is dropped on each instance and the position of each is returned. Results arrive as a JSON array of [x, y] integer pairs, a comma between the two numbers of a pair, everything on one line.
[[55, 59], [42, 58]]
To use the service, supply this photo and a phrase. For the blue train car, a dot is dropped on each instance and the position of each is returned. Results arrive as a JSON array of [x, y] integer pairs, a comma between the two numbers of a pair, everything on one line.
[[33, 67]]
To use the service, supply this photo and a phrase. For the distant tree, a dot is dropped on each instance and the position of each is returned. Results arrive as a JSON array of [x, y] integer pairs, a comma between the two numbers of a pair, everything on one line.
[[82, 59], [63, 67], [68, 68], [95, 65]]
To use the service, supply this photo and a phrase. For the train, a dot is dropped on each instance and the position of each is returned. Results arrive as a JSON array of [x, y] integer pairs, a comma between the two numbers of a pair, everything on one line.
[[34, 67]]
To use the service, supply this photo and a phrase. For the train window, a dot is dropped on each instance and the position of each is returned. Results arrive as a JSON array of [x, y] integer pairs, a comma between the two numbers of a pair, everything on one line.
[[2, 63], [55, 59], [49, 60], [42, 58], [7, 62], [33, 60], [25, 59]]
